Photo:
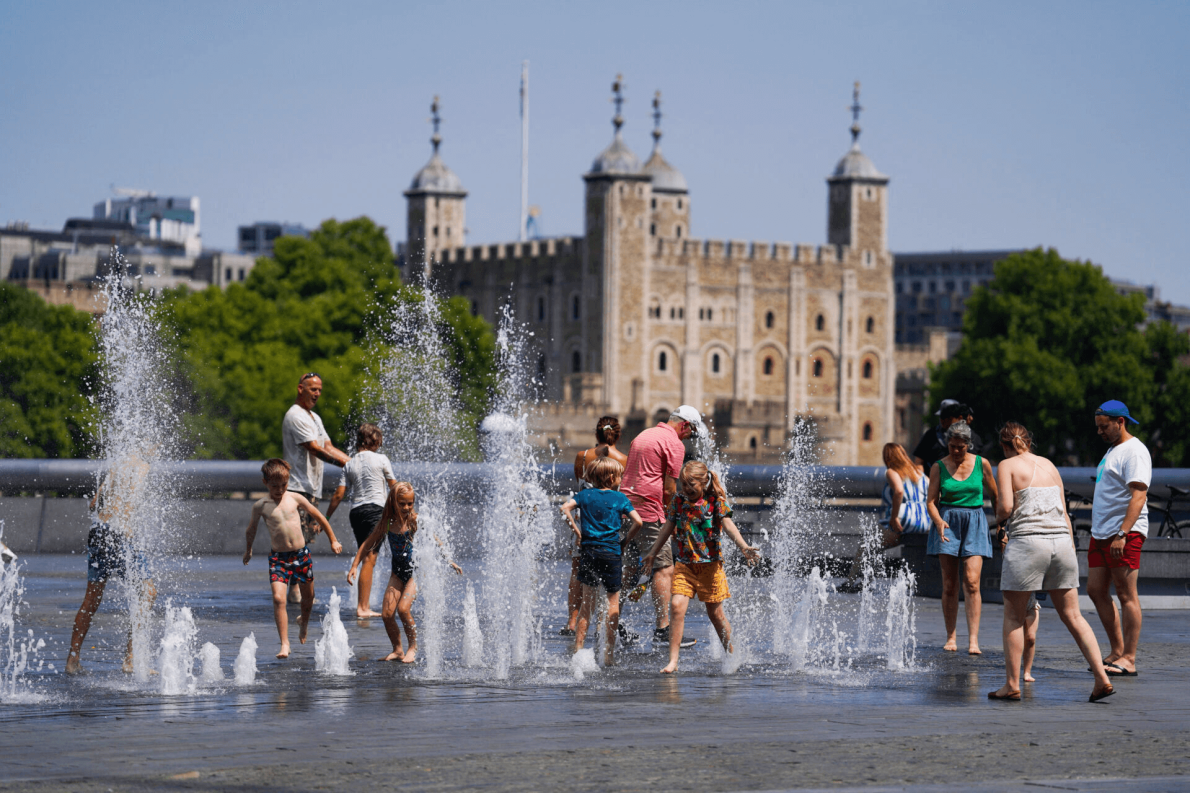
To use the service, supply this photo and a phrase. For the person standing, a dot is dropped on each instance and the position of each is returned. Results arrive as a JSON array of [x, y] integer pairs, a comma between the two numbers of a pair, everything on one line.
[[961, 543], [650, 481], [1039, 555], [306, 446], [1119, 526]]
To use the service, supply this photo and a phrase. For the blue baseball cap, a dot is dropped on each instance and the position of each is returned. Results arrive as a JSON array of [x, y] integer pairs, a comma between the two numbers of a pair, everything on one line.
[[1116, 409]]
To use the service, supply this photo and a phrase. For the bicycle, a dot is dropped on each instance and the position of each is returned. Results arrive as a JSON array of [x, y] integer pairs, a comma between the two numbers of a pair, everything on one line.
[[1080, 524], [1175, 526]]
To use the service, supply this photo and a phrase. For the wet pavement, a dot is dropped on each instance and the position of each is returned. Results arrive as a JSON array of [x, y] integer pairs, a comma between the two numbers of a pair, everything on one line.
[[762, 727]]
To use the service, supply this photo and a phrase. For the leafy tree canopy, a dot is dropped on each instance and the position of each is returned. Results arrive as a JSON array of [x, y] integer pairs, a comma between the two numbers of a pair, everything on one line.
[[1047, 340], [47, 366]]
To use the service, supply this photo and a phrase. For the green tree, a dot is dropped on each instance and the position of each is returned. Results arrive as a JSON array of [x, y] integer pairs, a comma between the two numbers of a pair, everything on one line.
[[47, 369], [1168, 430], [1045, 342]]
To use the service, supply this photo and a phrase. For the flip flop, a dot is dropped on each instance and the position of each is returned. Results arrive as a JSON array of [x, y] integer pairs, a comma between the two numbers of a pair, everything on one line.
[[1012, 696], [1117, 671], [1102, 694]]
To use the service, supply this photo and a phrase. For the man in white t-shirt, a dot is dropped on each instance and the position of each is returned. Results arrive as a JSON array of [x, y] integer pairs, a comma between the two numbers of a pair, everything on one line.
[[306, 446], [1119, 526]]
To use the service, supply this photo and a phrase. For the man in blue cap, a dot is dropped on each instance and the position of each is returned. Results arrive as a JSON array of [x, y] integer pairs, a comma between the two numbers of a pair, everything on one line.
[[1119, 526]]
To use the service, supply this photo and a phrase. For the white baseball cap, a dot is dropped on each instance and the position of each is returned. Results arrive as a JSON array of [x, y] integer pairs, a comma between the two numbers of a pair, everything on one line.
[[691, 416]]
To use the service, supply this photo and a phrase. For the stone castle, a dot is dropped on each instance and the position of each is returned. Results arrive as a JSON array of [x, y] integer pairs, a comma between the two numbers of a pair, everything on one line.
[[638, 316]]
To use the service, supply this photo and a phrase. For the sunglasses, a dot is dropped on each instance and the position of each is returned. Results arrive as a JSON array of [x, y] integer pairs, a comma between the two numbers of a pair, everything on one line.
[[308, 375]]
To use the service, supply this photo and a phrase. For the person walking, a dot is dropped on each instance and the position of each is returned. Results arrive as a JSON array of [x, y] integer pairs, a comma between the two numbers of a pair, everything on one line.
[[957, 485], [650, 481], [306, 446], [1040, 554], [1119, 526], [607, 433]]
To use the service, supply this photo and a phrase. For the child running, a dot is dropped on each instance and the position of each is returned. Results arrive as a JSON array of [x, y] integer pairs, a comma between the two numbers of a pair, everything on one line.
[[599, 561], [399, 522], [368, 477], [698, 514], [289, 560]]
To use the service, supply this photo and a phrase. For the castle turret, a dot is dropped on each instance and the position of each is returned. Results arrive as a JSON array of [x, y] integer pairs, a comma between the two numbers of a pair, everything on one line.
[[858, 199], [436, 211], [616, 251], [669, 215]]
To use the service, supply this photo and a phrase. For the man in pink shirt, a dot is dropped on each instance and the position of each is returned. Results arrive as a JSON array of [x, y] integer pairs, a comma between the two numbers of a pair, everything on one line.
[[650, 481]]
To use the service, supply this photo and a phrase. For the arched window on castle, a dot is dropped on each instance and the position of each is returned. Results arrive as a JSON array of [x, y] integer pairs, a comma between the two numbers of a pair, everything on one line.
[[662, 361], [768, 319], [768, 366], [576, 307], [871, 325], [576, 361], [819, 322], [678, 232], [752, 443], [818, 367], [715, 363], [867, 430], [867, 370]]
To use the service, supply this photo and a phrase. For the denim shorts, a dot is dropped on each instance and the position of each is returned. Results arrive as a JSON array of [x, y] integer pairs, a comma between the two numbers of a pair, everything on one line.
[[967, 535], [109, 553]]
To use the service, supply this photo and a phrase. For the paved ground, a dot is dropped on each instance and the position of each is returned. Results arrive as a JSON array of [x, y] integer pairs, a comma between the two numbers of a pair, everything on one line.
[[764, 727]]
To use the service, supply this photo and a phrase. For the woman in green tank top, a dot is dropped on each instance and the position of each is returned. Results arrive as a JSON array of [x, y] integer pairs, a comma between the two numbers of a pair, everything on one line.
[[958, 484]]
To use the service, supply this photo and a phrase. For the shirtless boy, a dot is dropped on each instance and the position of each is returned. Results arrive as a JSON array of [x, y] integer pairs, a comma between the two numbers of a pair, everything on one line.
[[289, 561]]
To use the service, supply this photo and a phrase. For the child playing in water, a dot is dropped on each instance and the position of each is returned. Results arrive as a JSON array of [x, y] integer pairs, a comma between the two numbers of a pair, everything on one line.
[[697, 516], [603, 508], [289, 560], [399, 522]]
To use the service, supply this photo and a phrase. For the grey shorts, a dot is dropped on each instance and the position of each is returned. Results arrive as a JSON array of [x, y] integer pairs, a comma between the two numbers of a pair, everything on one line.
[[1039, 562], [643, 543], [309, 525]]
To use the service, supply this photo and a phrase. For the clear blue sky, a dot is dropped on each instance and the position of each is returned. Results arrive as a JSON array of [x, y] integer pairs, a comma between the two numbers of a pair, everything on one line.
[[1001, 124]]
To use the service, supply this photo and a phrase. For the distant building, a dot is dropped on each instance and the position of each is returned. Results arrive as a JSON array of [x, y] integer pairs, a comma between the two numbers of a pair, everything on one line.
[[65, 266], [932, 289], [259, 237], [168, 219]]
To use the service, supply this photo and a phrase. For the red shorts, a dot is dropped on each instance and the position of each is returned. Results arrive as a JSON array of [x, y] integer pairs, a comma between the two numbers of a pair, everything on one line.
[[1099, 554]]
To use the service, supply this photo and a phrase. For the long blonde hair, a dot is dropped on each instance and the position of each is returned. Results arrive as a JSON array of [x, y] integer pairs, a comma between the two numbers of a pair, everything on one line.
[[390, 508], [695, 472], [895, 459]]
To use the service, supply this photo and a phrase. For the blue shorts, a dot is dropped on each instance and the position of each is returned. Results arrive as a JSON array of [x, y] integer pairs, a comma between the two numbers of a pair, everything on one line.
[[109, 553], [968, 534], [596, 568]]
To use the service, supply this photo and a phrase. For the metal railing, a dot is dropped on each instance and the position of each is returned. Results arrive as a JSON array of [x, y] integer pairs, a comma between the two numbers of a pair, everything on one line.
[[223, 476]]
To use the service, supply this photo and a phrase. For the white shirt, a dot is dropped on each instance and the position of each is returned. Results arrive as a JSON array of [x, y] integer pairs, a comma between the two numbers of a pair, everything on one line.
[[1127, 462], [305, 470], [366, 477]]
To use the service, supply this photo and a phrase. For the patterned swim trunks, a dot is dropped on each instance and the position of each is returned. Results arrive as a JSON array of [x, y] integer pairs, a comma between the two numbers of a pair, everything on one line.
[[289, 567]]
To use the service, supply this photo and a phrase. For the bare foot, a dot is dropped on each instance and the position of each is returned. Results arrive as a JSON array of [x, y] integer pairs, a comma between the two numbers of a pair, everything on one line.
[[670, 668], [1004, 692], [365, 613], [609, 659], [127, 667], [395, 655], [410, 654], [284, 651], [951, 646], [1028, 677], [974, 650], [73, 666], [304, 624]]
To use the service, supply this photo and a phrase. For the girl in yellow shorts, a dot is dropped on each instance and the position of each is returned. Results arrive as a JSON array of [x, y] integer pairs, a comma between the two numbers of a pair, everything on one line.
[[698, 516]]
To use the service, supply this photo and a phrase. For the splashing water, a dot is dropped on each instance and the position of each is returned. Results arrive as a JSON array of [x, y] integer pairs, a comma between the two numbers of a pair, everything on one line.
[[516, 521], [245, 663], [582, 663], [901, 624], [472, 635], [17, 652], [136, 431], [332, 651], [177, 651], [211, 671], [421, 421]]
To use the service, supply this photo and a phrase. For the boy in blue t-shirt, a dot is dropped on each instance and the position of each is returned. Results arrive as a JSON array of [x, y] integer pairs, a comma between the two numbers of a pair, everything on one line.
[[603, 508]]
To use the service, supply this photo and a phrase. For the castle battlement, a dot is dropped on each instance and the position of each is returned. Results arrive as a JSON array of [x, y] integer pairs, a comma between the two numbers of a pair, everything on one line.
[[741, 250], [503, 251]]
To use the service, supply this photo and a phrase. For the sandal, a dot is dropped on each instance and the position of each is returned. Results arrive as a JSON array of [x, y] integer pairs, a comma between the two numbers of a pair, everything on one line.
[[1104, 694], [1011, 696]]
